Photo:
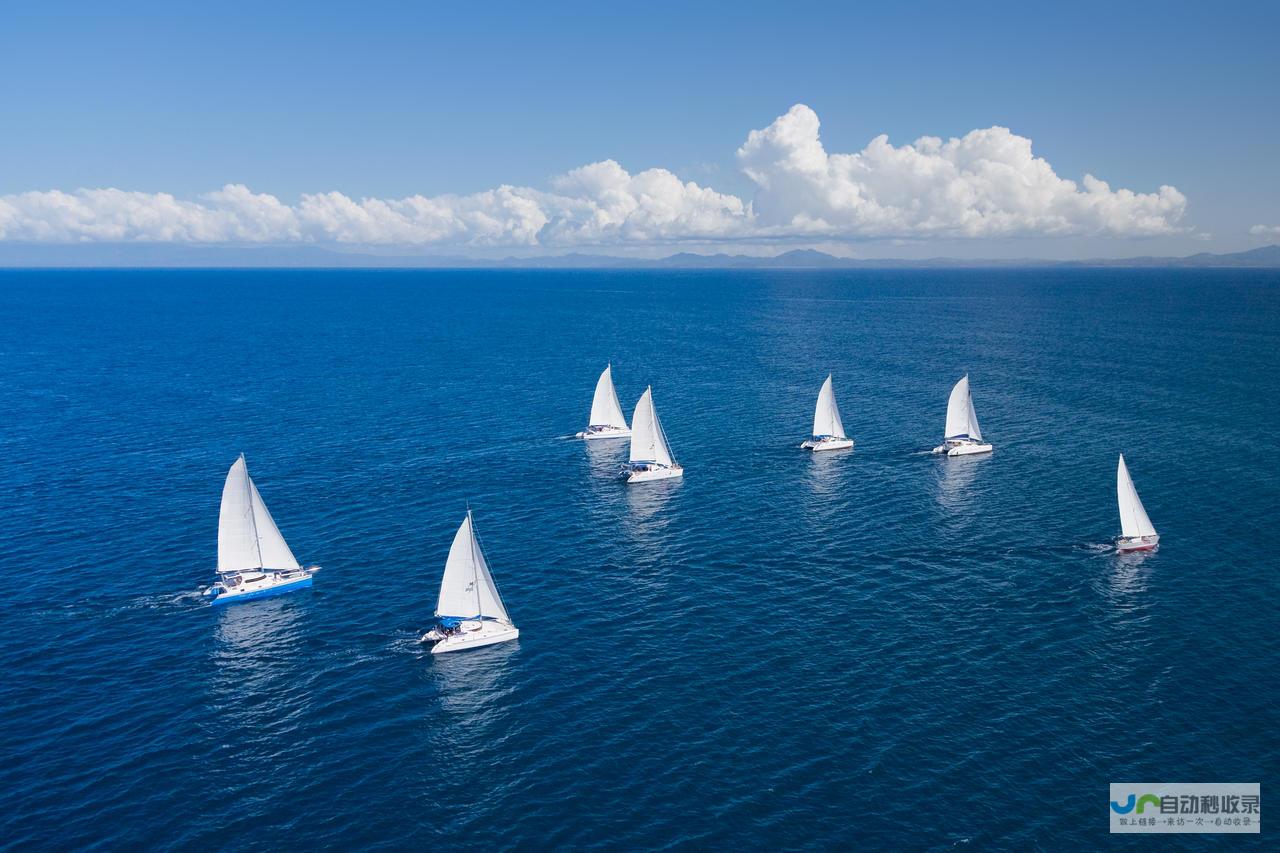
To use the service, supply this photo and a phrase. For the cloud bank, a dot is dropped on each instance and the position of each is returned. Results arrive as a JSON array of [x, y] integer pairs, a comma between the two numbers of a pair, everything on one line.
[[1265, 230], [986, 183]]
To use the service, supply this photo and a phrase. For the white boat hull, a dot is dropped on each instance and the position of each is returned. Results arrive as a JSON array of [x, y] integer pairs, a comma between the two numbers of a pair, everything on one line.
[[1129, 544], [603, 432], [471, 634], [963, 448], [655, 473], [819, 444]]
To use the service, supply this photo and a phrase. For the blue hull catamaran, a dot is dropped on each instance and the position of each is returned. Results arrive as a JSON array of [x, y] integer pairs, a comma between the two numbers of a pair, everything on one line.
[[254, 561], [469, 611]]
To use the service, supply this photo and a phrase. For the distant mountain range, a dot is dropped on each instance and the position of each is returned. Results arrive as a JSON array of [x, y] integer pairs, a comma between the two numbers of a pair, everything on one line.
[[171, 255]]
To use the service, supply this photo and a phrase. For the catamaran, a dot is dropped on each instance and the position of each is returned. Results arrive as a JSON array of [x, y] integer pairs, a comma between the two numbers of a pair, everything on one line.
[[254, 561], [650, 454], [963, 437], [469, 612], [1136, 530], [828, 430], [607, 420]]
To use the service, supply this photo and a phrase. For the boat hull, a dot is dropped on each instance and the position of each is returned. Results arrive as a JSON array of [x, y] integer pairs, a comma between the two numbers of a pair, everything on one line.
[[818, 445], [965, 448], [1130, 544], [488, 634], [610, 432], [655, 474], [262, 592]]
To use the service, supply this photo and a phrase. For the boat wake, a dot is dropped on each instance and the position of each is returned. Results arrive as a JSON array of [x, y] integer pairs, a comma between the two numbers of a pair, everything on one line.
[[1097, 548], [408, 641], [161, 600]]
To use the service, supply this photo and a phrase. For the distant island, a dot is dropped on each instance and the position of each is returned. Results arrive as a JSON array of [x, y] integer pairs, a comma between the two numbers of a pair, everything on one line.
[[134, 255]]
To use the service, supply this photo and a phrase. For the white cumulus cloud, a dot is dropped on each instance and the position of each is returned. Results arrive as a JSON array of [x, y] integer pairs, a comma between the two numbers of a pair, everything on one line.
[[986, 183], [1265, 230], [604, 203]]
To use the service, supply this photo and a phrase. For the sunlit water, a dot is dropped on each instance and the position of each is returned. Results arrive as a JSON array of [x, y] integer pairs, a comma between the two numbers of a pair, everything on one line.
[[876, 648]]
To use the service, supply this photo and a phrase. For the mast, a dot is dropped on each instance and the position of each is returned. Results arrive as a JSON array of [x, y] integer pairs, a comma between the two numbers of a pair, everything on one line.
[[975, 431], [253, 516], [475, 564]]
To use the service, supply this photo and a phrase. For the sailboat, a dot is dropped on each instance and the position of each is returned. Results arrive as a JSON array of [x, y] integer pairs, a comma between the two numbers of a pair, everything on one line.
[[828, 430], [607, 420], [963, 437], [469, 612], [254, 561], [1136, 530], [650, 454]]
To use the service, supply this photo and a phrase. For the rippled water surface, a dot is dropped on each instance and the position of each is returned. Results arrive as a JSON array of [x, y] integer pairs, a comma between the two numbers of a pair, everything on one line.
[[877, 648]]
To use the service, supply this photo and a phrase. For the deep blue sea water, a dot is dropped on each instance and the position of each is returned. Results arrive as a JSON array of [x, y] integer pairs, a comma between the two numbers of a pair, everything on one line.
[[880, 649]]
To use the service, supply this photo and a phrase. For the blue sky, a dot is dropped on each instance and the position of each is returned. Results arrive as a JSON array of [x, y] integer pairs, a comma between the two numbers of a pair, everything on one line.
[[393, 100]]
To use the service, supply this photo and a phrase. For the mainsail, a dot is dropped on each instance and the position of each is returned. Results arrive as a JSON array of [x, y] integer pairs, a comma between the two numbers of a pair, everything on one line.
[[467, 589], [962, 420], [605, 408], [1133, 516], [247, 534], [826, 417], [648, 442]]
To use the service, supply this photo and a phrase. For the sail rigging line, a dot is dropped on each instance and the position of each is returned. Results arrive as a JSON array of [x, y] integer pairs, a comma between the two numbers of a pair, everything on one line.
[[493, 582], [253, 516], [662, 436], [475, 564]]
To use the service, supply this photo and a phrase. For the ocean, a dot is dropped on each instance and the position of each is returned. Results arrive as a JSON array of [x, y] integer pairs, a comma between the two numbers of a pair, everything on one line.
[[876, 649]]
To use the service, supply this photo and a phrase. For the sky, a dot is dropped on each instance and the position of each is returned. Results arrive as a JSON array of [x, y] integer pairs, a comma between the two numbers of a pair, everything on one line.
[[867, 130]]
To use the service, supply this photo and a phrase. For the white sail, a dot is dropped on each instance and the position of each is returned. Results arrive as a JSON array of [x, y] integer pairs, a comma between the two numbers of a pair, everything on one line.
[[605, 408], [1133, 516], [962, 420], [467, 588], [237, 539], [247, 534], [275, 551], [826, 417], [648, 442]]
